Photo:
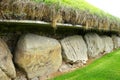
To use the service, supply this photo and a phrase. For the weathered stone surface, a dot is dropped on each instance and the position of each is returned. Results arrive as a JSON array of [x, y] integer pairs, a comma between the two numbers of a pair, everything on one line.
[[116, 41], [65, 67], [3, 76], [74, 49], [108, 43], [21, 76], [94, 44], [38, 55], [6, 63]]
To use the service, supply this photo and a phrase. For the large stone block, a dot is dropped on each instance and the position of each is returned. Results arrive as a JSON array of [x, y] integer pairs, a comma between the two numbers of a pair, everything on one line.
[[94, 44], [6, 63], [38, 55], [74, 49], [108, 44], [116, 41]]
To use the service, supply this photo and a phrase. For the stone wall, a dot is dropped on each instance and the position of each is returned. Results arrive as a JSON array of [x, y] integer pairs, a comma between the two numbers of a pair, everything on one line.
[[35, 56]]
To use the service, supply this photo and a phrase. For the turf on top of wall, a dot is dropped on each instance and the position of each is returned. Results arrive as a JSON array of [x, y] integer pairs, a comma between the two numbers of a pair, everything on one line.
[[76, 12]]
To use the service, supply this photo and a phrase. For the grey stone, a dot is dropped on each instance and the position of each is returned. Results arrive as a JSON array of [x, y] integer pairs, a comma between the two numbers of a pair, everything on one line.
[[65, 67], [38, 55], [116, 41], [6, 63], [108, 44], [94, 44], [74, 49], [3, 76], [20, 75], [35, 78]]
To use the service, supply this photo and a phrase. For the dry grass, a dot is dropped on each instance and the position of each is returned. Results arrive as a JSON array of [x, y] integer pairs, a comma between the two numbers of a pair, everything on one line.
[[52, 11]]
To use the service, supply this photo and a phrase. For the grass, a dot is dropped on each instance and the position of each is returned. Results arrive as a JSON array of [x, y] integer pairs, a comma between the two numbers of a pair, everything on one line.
[[82, 5], [75, 12], [104, 68]]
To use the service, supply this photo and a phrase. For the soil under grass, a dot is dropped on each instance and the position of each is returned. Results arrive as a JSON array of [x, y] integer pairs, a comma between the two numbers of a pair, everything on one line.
[[104, 68]]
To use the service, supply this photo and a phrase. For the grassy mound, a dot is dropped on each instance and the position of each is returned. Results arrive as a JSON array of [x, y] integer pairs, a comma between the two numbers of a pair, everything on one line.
[[76, 12], [105, 68]]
